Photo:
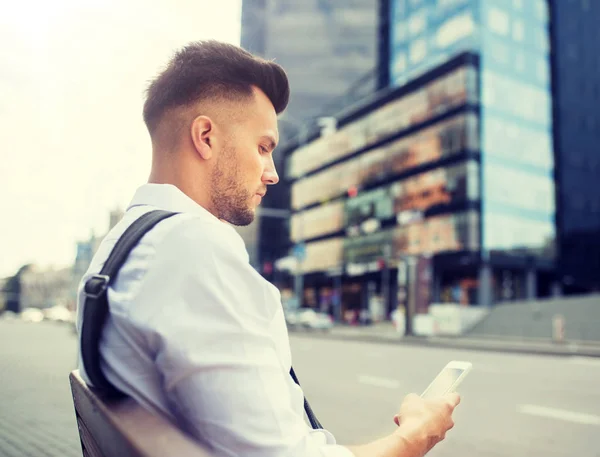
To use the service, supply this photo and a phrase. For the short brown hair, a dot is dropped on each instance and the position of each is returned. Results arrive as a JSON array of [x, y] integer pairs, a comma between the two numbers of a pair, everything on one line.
[[205, 69]]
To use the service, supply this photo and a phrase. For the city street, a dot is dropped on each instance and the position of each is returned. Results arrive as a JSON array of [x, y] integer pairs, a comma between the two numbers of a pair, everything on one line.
[[513, 405]]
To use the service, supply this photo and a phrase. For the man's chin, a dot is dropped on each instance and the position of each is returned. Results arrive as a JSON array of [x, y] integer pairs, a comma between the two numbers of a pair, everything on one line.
[[241, 220]]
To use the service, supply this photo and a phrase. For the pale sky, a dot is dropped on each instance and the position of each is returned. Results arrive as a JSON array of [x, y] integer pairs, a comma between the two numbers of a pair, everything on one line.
[[73, 144]]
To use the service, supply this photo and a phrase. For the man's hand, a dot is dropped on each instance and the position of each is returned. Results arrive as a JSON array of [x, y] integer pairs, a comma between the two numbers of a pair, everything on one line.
[[422, 423]]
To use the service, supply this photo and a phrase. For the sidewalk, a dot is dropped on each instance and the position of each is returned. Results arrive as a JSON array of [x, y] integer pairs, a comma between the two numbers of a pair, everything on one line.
[[385, 333]]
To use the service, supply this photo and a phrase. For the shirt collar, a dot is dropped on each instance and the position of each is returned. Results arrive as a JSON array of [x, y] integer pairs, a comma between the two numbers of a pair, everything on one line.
[[167, 197]]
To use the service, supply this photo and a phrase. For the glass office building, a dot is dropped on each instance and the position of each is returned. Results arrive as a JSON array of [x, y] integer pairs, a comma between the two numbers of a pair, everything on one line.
[[325, 46], [452, 166], [329, 51], [512, 40], [399, 180], [576, 88]]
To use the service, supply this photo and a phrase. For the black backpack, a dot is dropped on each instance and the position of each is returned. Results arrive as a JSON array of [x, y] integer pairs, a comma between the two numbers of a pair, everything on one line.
[[96, 306]]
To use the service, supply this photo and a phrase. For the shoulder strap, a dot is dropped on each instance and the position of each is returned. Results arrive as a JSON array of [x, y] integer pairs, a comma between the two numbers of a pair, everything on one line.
[[96, 308], [314, 422]]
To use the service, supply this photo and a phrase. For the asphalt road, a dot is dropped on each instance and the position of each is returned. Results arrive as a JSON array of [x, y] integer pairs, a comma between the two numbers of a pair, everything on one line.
[[513, 405]]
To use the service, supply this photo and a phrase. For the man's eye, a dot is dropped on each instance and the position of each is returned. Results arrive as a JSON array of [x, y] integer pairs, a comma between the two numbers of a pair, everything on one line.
[[264, 150]]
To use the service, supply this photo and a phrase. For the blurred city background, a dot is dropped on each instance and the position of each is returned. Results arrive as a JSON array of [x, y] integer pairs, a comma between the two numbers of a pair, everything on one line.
[[439, 199]]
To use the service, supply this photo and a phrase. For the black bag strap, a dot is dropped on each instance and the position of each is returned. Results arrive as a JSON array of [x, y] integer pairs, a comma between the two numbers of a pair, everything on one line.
[[95, 310], [314, 422], [96, 306]]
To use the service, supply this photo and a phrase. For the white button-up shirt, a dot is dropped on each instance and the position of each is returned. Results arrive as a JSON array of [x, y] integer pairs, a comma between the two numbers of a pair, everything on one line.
[[196, 334]]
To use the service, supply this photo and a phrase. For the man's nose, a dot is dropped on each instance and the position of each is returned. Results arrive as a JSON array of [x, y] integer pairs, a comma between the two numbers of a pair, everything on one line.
[[270, 175]]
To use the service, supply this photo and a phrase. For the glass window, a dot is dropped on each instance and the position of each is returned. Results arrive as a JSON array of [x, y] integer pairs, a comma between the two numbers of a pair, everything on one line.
[[433, 188], [471, 82], [542, 71], [436, 98], [516, 98], [454, 29], [520, 61], [317, 221], [541, 40], [541, 10], [417, 23], [400, 62], [400, 6], [444, 233], [366, 248], [505, 232], [498, 21], [400, 32], [518, 31], [512, 141], [500, 52], [418, 51], [513, 188], [472, 180], [323, 255]]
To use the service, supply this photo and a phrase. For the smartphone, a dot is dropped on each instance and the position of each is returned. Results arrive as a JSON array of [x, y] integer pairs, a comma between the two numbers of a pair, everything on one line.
[[448, 379]]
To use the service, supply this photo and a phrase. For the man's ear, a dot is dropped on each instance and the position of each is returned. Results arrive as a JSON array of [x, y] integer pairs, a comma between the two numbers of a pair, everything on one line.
[[202, 132]]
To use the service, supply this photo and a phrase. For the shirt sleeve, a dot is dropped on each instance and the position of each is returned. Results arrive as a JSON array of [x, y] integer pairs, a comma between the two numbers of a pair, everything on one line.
[[218, 355]]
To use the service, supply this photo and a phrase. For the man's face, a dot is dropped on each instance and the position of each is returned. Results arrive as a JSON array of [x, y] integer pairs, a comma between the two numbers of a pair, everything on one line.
[[244, 166]]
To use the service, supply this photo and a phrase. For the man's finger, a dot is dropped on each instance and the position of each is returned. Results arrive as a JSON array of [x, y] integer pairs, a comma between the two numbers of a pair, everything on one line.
[[453, 398]]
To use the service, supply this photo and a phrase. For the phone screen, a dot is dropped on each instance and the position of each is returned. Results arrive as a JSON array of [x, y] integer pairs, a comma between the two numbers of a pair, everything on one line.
[[443, 383]]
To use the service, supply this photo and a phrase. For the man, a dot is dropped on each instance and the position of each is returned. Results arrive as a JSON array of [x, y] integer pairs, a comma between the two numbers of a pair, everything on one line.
[[194, 332]]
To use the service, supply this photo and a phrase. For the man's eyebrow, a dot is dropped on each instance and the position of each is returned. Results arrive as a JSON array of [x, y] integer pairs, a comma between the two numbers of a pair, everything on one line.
[[271, 140]]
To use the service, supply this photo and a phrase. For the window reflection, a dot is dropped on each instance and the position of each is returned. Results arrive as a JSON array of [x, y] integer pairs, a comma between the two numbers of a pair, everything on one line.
[[405, 201], [323, 255], [430, 189], [518, 189], [509, 233], [429, 34], [434, 99], [317, 221], [515, 98], [516, 142], [429, 145], [444, 233]]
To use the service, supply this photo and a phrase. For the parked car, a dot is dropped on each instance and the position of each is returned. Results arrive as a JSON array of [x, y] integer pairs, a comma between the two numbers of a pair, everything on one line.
[[9, 316], [32, 315], [309, 319], [59, 313]]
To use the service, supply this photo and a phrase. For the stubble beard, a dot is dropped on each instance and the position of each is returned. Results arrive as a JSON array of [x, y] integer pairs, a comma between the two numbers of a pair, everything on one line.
[[231, 201]]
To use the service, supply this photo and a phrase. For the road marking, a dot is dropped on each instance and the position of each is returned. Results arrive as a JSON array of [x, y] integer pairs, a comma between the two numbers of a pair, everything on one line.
[[587, 361], [379, 382], [559, 414]]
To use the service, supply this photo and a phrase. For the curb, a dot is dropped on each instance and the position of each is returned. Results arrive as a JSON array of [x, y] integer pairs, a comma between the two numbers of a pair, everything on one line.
[[552, 349]]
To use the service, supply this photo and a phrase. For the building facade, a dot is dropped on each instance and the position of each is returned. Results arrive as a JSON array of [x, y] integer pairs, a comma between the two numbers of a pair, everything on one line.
[[329, 51], [448, 174], [576, 89], [45, 288], [500, 202], [325, 46], [393, 197]]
